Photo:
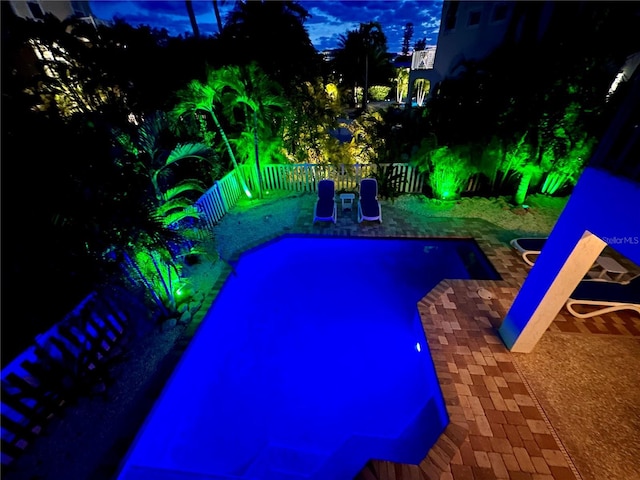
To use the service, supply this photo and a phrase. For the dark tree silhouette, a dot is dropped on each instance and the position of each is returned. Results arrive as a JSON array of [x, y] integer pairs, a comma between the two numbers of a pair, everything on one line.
[[272, 34], [363, 60], [406, 38], [216, 11], [192, 18]]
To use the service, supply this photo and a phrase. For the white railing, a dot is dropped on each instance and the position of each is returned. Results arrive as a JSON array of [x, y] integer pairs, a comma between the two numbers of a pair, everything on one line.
[[226, 192]]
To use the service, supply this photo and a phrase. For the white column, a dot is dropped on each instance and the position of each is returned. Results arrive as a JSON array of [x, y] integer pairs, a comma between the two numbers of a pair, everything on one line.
[[558, 289]]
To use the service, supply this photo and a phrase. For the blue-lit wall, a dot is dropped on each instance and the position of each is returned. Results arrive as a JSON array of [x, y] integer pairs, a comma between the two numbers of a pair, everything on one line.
[[602, 203]]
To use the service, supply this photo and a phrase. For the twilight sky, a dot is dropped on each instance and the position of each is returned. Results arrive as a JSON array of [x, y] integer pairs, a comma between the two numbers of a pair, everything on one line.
[[329, 18]]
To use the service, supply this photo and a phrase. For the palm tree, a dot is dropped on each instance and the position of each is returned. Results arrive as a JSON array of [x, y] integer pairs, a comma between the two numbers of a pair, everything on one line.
[[216, 11], [255, 29], [192, 18], [402, 83], [261, 100], [203, 98], [362, 58], [151, 258], [155, 162]]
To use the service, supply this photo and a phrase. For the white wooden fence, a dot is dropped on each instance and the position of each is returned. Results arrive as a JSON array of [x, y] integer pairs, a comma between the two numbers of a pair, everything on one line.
[[226, 192]]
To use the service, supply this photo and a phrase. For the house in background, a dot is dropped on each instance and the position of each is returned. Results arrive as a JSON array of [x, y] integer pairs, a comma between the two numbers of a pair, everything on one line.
[[61, 9], [468, 31], [471, 30]]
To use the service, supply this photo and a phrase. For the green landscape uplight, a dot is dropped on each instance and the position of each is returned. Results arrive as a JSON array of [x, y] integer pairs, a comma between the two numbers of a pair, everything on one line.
[[448, 173]]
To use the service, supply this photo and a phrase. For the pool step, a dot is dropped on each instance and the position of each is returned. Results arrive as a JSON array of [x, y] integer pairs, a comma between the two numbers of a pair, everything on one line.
[[280, 462]]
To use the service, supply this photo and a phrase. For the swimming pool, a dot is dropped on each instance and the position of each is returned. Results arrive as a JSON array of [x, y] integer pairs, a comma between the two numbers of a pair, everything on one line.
[[311, 361]]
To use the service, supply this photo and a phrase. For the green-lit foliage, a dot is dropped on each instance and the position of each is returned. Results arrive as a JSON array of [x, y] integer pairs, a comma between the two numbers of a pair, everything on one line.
[[559, 149], [205, 98], [567, 169], [400, 134], [269, 150], [448, 173], [521, 160], [527, 173], [159, 273], [377, 93], [163, 172], [568, 149], [516, 158], [173, 196], [256, 103], [151, 261]]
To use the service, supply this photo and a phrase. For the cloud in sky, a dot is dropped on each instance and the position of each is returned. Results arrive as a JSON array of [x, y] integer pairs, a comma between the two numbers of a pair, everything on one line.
[[329, 18]]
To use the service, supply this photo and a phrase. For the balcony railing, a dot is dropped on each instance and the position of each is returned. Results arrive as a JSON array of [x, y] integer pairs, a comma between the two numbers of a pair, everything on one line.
[[423, 59]]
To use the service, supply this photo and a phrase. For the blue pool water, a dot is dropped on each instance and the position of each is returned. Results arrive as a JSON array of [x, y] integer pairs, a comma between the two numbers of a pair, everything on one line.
[[311, 361]]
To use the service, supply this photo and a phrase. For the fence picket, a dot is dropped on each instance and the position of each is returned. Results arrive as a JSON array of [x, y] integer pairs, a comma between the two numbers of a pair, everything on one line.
[[226, 192]]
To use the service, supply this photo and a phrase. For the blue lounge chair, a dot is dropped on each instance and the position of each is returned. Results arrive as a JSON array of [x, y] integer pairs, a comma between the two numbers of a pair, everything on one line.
[[606, 296], [529, 248], [326, 207], [368, 205]]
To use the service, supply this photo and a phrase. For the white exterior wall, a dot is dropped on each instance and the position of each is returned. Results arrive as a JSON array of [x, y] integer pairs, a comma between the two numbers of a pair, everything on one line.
[[61, 9], [467, 42]]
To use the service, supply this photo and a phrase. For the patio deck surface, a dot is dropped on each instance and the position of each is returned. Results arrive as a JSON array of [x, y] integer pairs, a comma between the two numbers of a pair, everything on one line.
[[513, 416]]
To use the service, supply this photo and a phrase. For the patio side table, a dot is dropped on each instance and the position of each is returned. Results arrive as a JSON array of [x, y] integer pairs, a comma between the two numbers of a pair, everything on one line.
[[347, 201]]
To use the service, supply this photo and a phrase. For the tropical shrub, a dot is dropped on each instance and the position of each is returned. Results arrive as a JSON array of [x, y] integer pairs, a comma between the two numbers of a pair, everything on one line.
[[566, 169], [389, 179], [162, 166], [448, 172], [378, 93]]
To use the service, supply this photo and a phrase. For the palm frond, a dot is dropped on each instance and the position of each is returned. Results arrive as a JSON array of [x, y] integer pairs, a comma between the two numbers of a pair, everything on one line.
[[175, 204], [178, 215], [189, 185], [149, 132], [188, 150]]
